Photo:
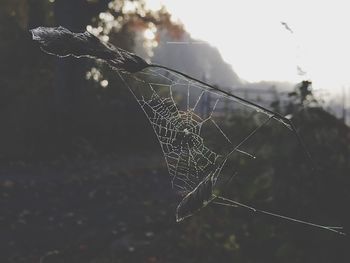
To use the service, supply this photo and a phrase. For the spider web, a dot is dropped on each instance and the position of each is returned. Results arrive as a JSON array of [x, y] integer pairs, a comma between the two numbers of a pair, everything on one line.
[[185, 116]]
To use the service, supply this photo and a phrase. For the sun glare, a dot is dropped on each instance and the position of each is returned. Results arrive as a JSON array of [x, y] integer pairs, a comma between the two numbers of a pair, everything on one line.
[[252, 38], [148, 34]]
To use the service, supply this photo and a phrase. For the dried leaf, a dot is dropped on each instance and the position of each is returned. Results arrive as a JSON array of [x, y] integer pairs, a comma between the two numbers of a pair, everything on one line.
[[61, 42]]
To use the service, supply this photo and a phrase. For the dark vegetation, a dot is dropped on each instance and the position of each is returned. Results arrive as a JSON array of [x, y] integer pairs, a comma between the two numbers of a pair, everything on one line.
[[81, 172]]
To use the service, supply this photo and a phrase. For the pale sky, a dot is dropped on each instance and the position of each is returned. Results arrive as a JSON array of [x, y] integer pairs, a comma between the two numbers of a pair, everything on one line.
[[251, 38]]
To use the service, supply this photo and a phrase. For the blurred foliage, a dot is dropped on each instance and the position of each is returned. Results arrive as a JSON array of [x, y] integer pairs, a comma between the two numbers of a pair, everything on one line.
[[303, 93], [48, 108], [93, 187], [25, 75], [302, 97]]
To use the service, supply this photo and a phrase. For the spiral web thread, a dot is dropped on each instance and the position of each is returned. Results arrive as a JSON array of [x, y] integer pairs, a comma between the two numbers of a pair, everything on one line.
[[179, 126]]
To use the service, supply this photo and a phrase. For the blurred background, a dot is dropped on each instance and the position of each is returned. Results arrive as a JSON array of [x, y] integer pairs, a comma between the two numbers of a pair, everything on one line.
[[83, 179]]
